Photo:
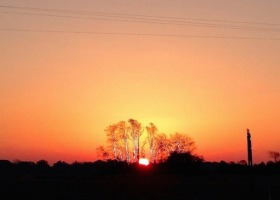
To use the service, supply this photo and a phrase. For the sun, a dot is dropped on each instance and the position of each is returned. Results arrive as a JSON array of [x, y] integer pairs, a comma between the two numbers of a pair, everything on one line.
[[144, 161]]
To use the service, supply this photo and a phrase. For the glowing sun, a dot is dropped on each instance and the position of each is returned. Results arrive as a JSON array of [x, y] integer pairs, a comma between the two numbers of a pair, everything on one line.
[[144, 161]]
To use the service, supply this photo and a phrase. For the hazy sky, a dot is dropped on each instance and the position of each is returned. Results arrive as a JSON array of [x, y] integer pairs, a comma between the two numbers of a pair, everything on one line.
[[214, 76]]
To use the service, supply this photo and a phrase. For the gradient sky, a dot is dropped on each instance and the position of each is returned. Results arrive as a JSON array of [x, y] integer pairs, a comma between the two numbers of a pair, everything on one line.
[[59, 91]]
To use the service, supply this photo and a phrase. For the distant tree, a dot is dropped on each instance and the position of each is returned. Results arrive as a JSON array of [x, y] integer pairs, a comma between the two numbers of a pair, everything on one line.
[[274, 155], [232, 163], [123, 133], [242, 162], [142, 149], [42, 164], [151, 134], [102, 153], [135, 132], [177, 142], [181, 143], [60, 165], [112, 138], [186, 157], [161, 147], [5, 163]]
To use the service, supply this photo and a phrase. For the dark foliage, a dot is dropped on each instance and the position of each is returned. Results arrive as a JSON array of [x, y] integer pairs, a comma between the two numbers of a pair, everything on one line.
[[182, 176]]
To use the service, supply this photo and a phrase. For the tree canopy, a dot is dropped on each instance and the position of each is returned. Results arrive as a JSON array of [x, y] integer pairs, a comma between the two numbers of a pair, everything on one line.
[[127, 140]]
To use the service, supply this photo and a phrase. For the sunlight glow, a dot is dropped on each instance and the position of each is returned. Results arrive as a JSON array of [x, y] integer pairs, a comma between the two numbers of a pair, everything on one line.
[[144, 161]]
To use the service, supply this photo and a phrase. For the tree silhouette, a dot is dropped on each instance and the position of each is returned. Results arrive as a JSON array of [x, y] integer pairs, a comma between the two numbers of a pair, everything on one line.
[[177, 142], [274, 155], [123, 133], [112, 138], [181, 143], [102, 152], [242, 162], [162, 147], [151, 134], [42, 164], [135, 132]]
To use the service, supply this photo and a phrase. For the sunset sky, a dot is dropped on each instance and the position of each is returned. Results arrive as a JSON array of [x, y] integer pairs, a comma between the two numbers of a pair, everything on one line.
[[68, 69]]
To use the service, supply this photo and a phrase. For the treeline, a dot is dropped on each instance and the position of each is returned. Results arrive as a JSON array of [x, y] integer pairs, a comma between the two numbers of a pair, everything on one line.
[[177, 163]]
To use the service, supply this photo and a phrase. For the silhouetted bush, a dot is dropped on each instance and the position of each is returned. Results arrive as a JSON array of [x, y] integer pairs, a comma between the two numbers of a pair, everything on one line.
[[183, 163], [6, 167]]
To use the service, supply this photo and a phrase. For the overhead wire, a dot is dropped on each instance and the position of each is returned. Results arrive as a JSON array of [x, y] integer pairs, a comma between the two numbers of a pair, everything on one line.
[[161, 22], [135, 18], [138, 34], [133, 15]]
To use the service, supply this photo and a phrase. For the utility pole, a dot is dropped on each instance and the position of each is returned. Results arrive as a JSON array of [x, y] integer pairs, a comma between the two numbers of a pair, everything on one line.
[[249, 147], [250, 169]]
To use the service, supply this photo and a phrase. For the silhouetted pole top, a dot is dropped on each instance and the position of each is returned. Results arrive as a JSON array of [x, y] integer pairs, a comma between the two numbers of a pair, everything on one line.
[[249, 148]]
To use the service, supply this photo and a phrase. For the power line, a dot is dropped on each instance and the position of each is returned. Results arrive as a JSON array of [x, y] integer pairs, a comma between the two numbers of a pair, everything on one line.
[[117, 17], [137, 34], [137, 16], [162, 22]]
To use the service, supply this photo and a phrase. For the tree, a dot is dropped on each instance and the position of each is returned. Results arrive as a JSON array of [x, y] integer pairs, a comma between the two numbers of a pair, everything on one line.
[[112, 138], [184, 158], [42, 164], [142, 150], [135, 132], [151, 134], [177, 142], [161, 147], [274, 155], [242, 162], [123, 132], [102, 153], [181, 143]]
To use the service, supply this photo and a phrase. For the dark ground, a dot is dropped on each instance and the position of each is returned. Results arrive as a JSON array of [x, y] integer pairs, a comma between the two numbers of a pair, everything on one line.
[[219, 181], [144, 186]]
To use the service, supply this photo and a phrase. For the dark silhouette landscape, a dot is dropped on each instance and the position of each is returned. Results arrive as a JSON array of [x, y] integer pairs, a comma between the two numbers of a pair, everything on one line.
[[181, 176]]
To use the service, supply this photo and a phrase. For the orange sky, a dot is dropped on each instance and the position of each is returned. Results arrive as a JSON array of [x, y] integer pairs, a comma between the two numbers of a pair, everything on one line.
[[59, 91]]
